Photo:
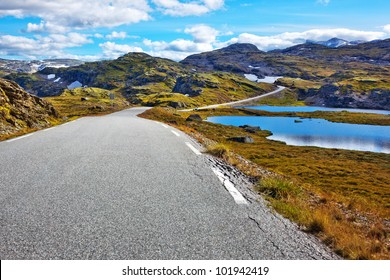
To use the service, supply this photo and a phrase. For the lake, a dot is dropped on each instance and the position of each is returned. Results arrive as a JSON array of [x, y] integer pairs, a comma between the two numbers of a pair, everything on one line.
[[317, 132], [313, 109]]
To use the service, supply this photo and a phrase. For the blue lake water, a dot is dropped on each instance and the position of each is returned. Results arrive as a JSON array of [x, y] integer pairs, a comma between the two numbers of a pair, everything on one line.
[[313, 109], [317, 132]]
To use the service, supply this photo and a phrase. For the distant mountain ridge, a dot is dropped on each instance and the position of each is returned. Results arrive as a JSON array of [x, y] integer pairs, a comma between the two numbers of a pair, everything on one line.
[[21, 66], [374, 52], [336, 42], [344, 76]]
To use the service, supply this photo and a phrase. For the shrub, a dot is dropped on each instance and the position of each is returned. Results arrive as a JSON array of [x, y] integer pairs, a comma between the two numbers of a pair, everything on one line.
[[218, 150]]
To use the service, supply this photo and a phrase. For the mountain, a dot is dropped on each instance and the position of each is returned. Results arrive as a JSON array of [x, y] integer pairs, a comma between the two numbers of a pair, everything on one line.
[[375, 52], [130, 70], [332, 43], [20, 111], [21, 66], [144, 79], [347, 76], [236, 58]]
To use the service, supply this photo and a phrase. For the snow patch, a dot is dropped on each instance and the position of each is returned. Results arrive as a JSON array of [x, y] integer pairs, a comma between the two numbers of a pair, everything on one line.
[[251, 77], [51, 76], [57, 80], [269, 79], [266, 79], [75, 84]]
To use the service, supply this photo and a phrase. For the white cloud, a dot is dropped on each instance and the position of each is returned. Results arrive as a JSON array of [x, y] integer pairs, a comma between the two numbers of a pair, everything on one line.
[[117, 35], [204, 39], [76, 14], [289, 39], [323, 2], [41, 46], [113, 50], [214, 4], [202, 33], [32, 27], [194, 8], [386, 28]]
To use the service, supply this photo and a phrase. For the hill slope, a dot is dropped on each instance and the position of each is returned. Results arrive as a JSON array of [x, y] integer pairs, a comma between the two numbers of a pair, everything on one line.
[[348, 76], [20, 111], [144, 79], [375, 52]]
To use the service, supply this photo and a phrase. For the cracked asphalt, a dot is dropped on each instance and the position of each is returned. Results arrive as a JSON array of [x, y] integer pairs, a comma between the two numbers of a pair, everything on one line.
[[122, 187]]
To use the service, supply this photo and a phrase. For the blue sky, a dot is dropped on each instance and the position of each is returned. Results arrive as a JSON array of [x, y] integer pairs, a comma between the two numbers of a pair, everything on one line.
[[106, 29]]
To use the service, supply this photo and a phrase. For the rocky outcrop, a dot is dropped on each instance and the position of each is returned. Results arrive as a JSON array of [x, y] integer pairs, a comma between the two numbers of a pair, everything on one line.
[[236, 58], [242, 139], [177, 104], [346, 97], [251, 129], [20, 110], [189, 85], [194, 118]]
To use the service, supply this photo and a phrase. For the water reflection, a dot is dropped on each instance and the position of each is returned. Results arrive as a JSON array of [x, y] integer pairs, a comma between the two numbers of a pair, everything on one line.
[[317, 132]]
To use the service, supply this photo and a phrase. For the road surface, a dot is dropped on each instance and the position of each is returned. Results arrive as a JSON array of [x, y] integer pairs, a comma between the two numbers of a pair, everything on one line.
[[122, 187]]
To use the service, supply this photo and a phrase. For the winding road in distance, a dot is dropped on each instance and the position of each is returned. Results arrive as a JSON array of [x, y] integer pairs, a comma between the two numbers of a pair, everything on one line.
[[279, 89], [123, 187]]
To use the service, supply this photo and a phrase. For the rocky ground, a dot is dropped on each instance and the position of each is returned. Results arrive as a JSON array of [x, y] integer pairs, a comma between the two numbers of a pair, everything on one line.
[[20, 111]]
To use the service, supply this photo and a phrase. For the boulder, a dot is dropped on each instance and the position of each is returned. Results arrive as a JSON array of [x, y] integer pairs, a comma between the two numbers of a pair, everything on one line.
[[242, 139], [251, 129], [177, 105], [194, 117]]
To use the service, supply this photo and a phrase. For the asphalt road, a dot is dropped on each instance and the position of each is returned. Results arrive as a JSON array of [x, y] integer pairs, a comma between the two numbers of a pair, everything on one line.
[[122, 187]]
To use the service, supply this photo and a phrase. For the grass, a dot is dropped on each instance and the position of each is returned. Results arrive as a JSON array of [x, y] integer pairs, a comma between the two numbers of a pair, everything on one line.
[[286, 97], [218, 150], [218, 87], [341, 196], [70, 103]]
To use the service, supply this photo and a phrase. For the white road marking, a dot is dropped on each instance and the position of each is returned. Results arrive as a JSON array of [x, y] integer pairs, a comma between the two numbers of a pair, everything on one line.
[[237, 196], [164, 125], [174, 132], [50, 128], [193, 149], [18, 138]]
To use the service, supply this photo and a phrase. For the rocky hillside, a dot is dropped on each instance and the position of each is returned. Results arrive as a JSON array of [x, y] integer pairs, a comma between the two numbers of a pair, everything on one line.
[[20, 111], [347, 76], [375, 52], [236, 58], [126, 72], [145, 80]]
